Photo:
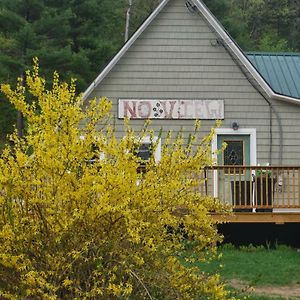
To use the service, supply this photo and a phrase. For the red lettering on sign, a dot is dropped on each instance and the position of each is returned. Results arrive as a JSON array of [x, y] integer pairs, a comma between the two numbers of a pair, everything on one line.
[[130, 110]]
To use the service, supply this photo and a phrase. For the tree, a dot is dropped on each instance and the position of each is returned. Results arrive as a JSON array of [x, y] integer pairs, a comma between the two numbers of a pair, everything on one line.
[[75, 38], [259, 25], [140, 11], [76, 228], [18, 38]]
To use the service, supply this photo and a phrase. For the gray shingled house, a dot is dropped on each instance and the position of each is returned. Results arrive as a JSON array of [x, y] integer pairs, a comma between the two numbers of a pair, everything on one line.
[[182, 65]]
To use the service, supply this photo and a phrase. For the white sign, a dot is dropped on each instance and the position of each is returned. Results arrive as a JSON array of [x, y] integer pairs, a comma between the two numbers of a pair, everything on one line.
[[171, 109]]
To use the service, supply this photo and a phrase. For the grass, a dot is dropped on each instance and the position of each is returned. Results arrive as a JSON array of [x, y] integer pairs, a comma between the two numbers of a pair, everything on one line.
[[257, 267], [264, 298]]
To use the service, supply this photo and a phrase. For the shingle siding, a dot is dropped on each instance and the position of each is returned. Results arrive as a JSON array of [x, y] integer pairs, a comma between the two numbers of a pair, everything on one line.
[[177, 57]]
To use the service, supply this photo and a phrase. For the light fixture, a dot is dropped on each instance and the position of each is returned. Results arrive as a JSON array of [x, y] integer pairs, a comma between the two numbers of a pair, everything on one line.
[[235, 125]]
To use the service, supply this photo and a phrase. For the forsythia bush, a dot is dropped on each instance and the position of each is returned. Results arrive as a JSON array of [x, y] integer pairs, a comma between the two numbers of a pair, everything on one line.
[[76, 227]]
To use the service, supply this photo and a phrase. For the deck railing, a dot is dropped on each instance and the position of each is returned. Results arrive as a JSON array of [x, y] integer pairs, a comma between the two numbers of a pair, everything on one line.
[[253, 188]]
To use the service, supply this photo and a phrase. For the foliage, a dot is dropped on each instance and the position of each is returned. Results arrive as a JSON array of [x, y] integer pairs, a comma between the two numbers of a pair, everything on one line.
[[260, 25], [73, 228]]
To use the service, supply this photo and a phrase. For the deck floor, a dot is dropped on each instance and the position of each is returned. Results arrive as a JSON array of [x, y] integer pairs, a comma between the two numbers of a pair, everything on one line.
[[259, 217]]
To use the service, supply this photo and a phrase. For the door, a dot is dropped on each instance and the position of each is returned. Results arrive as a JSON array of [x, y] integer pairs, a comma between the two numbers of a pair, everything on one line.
[[235, 184]]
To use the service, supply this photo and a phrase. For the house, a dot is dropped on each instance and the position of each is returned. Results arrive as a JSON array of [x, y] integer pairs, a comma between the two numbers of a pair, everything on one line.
[[182, 65]]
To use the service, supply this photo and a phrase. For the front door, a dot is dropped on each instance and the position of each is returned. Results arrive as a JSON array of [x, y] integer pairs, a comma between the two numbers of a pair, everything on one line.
[[234, 184]]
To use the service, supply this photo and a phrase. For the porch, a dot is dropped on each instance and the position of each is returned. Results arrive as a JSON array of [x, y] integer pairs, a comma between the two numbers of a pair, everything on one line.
[[257, 194]]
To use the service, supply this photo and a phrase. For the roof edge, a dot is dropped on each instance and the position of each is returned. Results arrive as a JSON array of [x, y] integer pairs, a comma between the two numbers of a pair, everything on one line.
[[265, 53], [280, 97], [123, 50]]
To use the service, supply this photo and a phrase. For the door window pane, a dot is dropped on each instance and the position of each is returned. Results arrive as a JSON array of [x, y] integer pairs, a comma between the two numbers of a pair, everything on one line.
[[234, 153]]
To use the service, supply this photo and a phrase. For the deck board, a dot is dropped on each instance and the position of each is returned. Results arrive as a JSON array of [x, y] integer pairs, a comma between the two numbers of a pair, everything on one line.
[[262, 217]]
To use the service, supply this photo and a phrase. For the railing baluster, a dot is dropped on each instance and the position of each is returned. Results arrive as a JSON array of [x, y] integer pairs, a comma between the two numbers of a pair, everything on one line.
[[234, 185], [245, 187], [255, 187], [294, 192], [227, 181], [267, 187], [223, 186], [251, 187], [261, 189], [272, 187], [220, 181], [289, 188], [298, 170], [240, 188], [277, 190], [283, 187]]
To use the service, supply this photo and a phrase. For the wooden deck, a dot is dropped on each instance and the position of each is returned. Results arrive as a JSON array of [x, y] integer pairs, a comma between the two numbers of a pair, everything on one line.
[[257, 194]]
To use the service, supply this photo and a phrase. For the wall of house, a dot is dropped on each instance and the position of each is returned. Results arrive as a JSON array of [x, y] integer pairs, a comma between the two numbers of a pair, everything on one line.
[[178, 57], [290, 125]]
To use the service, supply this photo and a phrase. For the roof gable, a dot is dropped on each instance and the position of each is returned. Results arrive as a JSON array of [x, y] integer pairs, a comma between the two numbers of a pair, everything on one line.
[[224, 37]]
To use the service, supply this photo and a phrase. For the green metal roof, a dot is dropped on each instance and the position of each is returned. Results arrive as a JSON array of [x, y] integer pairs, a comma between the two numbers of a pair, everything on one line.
[[280, 70]]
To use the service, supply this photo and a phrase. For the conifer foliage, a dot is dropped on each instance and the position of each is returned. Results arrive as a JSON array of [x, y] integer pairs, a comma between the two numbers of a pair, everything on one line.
[[76, 227]]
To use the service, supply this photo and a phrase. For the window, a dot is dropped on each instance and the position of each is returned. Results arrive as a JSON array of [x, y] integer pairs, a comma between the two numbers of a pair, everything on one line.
[[144, 152], [145, 149]]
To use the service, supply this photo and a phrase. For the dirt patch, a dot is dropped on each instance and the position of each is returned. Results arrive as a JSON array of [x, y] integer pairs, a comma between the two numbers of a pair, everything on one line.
[[287, 292]]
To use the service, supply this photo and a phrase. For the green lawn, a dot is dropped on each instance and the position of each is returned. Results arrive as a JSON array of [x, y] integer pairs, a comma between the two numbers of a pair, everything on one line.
[[258, 267], [264, 298]]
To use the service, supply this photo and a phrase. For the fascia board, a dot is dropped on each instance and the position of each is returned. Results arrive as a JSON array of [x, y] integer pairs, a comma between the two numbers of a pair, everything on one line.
[[123, 50]]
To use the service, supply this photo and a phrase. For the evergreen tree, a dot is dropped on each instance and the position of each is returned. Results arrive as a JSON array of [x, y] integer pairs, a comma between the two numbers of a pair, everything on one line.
[[18, 40], [76, 38]]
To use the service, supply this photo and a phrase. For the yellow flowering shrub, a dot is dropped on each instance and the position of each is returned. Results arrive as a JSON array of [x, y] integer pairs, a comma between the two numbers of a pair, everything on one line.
[[76, 227]]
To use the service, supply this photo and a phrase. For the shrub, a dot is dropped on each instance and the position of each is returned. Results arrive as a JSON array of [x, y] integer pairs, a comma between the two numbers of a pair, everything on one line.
[[76, 227]]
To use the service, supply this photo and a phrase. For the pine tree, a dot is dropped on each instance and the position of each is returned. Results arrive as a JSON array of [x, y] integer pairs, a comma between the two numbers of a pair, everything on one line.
[[76, 38]]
